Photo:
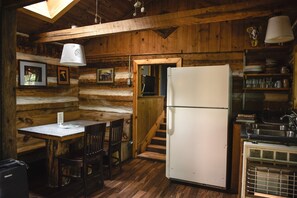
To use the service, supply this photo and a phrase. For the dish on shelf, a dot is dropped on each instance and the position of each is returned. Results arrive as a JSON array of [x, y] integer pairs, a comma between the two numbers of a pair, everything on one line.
[[253, 68]]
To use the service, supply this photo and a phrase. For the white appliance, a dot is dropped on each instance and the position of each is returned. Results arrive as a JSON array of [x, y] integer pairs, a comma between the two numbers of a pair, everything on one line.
[[198, 109], [269, 170]]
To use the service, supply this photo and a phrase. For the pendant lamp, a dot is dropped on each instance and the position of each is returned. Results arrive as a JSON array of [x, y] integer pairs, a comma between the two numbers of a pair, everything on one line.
[[279, 30], [73, 55]]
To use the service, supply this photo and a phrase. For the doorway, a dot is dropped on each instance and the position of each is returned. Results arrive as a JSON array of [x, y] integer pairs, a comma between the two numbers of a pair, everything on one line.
[[137, 90]]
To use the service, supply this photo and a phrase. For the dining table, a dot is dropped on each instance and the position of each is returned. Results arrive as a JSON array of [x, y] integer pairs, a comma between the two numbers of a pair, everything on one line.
[[57, 138]]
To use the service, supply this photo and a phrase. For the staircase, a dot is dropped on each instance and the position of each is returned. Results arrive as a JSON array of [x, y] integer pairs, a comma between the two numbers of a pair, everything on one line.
[[156, 150]]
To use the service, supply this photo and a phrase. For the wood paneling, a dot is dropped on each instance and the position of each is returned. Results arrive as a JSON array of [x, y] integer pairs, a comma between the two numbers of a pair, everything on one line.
[[236, 155], [18, 4], [37, 106], [148, 111], [216, 37], [229, 12]]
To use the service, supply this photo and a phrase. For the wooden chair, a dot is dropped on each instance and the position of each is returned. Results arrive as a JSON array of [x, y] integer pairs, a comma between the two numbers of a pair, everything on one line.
[[90, 157], [112, 149]]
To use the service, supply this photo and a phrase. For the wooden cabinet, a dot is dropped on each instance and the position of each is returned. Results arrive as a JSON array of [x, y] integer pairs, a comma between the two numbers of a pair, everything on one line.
[[236, 159], [269, 88]]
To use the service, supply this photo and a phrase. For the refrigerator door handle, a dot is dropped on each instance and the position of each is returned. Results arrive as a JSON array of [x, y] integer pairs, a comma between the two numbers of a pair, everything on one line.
[[170, 120], [170, 88]]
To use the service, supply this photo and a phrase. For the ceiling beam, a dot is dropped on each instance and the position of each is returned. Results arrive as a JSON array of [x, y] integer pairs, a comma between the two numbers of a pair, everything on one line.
[[18, 3], [236, 11]]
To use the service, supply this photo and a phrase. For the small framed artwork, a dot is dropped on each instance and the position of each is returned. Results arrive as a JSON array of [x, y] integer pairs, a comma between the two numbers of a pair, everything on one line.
[[63, 75], [105, 75], [32, 74]]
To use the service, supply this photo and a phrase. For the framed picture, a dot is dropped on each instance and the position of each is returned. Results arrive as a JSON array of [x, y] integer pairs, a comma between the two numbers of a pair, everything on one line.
[[63, 76], [105, 75], [32, 74]]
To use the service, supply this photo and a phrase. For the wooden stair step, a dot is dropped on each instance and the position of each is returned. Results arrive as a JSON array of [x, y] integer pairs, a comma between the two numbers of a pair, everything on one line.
[[163, 126], [161, 133], [156, 148], [159, 140], [153, 156]]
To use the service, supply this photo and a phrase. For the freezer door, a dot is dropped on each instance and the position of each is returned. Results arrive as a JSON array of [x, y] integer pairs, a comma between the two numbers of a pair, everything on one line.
[[197, 145], [207, 86]]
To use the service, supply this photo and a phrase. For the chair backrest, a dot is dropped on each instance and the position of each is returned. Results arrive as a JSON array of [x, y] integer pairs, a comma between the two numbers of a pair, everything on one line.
[[115, 134], [93, 140]]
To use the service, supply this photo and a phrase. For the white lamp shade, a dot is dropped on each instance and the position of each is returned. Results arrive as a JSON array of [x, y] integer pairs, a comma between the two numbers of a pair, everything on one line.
[[73, 55], [279, 30]]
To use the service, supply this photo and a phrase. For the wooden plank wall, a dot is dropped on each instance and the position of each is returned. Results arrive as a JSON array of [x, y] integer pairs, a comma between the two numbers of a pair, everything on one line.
[[148, 111], [206, 44], [206, 38], [36, 106]]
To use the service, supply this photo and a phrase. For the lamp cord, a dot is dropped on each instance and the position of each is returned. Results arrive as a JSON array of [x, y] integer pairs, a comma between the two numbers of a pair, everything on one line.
[[96, 14]]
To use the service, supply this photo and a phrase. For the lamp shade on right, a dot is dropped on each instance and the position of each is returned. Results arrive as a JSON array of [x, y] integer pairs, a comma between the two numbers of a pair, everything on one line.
[[279, 30]]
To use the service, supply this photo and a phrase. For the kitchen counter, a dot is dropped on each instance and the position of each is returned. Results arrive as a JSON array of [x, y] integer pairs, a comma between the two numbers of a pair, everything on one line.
[[265, 138]]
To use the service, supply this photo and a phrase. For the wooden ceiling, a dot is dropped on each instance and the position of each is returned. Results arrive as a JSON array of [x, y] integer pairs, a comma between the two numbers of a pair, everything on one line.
[[83, 13]]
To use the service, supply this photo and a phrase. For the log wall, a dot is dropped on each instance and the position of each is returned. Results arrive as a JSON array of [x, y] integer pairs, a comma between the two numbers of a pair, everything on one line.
[[199, 44], [36, 106], [107, 102]]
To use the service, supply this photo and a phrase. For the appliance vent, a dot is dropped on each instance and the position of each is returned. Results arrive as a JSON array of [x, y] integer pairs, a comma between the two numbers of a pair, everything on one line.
[[274, 180], [273, 155], [269, 170]]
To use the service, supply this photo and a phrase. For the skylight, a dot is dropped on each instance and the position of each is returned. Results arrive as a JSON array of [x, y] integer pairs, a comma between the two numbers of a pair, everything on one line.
[[49, 10]]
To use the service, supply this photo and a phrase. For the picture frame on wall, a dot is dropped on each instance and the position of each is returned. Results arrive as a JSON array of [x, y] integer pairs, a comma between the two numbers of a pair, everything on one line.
[[63, 77], [32, 74], [105, 75]]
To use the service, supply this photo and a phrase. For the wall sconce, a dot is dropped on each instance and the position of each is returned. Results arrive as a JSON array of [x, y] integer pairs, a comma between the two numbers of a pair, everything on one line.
[[73, 55], [279, 30]]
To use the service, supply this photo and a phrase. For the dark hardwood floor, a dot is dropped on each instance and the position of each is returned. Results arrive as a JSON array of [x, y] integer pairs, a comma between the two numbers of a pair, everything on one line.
[[140, 178]]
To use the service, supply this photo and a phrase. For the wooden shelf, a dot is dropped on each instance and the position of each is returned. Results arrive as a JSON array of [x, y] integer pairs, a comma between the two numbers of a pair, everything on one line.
[[268, 75], [269, 48], [266, 89]]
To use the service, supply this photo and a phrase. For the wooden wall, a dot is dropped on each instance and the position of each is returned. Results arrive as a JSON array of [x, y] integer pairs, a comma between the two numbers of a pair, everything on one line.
[[83, 98], [148, 111], [214, 37], [107, 102], [36, 106], [206, 44], [199, 44]]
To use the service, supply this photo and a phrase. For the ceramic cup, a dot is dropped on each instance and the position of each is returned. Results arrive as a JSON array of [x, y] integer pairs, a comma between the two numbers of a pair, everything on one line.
[[284, 70], [285, 83], [278, 84]]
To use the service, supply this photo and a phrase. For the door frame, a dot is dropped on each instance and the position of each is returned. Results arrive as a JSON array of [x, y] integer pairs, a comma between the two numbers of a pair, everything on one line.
[[136, 64]]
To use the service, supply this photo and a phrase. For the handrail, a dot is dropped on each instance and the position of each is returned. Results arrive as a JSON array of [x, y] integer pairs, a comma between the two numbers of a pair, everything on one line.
[[151, 132]]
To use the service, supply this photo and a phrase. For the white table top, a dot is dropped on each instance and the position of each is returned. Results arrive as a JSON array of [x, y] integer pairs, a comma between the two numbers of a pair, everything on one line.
[[66, 131]]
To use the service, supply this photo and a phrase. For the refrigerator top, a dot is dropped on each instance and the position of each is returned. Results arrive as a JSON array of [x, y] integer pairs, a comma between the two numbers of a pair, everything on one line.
[[201, 86]]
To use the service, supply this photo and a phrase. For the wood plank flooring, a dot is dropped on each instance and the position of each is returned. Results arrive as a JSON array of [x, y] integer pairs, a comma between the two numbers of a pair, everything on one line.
[[140, 178]]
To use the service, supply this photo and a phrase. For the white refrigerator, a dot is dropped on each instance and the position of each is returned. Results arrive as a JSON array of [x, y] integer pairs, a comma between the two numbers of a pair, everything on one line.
[[198, 111]]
